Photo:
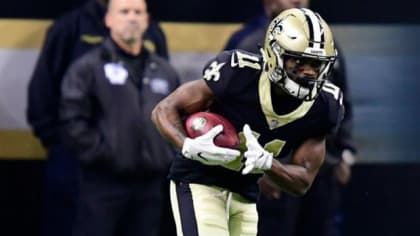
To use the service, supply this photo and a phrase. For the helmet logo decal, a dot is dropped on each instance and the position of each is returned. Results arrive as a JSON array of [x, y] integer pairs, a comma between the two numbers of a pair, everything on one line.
[[277, 27]]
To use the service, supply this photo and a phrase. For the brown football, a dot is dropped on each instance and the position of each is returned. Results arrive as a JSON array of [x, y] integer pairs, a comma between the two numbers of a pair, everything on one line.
[[200, 123]]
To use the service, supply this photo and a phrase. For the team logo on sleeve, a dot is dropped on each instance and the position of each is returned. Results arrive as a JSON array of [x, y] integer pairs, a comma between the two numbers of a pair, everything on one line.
[[213, 71]]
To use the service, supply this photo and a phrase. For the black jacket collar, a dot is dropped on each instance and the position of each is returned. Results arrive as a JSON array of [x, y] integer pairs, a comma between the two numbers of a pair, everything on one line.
[[111, 52]]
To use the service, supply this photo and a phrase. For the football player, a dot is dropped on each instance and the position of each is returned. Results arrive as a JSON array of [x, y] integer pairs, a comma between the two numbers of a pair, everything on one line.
[[319, 212], [283, 105]]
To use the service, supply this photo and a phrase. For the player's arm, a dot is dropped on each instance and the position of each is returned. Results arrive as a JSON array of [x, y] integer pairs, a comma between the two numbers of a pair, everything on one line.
[[191, 97], [297, 177]]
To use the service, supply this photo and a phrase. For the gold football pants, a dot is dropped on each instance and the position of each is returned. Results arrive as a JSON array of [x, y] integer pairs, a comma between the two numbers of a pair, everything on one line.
[[201, 210]]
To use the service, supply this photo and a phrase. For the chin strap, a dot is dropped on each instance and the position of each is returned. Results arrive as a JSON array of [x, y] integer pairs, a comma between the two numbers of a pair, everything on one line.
[[294, 88]]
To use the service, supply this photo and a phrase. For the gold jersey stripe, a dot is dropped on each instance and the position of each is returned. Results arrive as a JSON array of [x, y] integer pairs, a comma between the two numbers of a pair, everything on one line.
[[181, 37], [274, 120]]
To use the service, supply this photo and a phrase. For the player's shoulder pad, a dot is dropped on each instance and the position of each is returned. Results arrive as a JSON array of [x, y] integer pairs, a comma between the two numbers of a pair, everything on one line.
[[334, 101]]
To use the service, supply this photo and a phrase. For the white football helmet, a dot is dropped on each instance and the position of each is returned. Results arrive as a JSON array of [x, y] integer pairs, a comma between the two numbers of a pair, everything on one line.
[[299, 33]]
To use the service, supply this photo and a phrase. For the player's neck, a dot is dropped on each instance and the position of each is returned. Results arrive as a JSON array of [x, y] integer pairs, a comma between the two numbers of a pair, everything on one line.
[[282, 102]]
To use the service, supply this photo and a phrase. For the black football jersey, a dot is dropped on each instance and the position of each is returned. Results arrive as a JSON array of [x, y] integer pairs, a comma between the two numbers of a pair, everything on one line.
[[243, 95]]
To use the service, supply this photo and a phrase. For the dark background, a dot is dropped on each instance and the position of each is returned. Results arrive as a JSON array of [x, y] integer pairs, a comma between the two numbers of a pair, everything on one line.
[[383, 197], [334, 11]]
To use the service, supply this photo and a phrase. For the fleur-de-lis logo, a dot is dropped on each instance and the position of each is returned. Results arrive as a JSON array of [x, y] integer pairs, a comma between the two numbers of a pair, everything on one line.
[[213, 72]]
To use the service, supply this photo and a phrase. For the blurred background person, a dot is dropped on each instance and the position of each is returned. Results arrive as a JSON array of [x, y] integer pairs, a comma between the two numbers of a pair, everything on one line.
[[67, 39], [107, 98], [318, 212]]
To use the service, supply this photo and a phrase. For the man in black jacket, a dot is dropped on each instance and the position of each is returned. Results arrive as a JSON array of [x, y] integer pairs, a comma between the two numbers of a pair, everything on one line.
[[107, 98], [67, 39]]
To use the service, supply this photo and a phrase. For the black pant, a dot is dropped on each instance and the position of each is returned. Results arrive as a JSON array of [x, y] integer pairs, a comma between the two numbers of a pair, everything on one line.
[[122, 206], [60, 191], [313, 214]]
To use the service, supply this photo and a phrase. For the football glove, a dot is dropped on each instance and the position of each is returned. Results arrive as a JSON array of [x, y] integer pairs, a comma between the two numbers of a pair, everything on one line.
[[204, 150], [257, 159]]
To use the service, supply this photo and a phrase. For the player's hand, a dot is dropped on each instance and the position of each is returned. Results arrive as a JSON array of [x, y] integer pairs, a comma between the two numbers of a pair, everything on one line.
[[204, 150], [256, 157]]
